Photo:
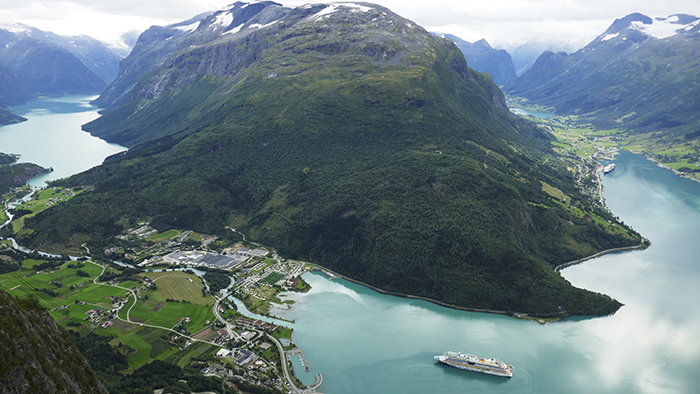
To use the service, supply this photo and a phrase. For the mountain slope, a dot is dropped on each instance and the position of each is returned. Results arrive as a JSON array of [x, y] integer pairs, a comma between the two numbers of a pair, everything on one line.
[[482, 57], [349, 136], [48, 64], [150, 50], [37, 356], [638, 75]]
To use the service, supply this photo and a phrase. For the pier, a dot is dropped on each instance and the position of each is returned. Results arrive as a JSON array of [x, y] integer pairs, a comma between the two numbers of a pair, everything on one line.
[[298, 351]]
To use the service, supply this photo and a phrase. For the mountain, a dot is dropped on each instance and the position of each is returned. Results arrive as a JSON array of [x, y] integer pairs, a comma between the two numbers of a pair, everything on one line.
[[524, 54], [11, 90], [47, 64], [149, 51], [482, 57], [346, 135], [11, 93], [17, 175], [38, 356], [639, 75]]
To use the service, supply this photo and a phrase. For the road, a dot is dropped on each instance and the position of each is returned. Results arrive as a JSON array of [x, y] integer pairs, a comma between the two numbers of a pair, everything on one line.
[[283, 363]]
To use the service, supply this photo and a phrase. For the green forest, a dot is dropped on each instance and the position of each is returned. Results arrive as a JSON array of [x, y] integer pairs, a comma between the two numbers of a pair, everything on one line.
[[407, 173]]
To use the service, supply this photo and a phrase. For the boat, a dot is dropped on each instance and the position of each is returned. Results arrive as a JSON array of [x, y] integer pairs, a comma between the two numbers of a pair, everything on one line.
[[470, 362], [609, 168]]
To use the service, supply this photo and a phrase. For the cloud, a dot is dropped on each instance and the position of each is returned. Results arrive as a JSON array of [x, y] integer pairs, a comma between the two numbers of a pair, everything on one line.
[[495, 20]]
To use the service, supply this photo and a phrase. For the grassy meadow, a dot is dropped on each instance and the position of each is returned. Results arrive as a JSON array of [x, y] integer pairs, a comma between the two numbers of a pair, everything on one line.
[[65, 286]]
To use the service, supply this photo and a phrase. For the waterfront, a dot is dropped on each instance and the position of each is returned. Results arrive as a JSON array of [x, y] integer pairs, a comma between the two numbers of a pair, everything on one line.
[[52, 137], [363, 341]]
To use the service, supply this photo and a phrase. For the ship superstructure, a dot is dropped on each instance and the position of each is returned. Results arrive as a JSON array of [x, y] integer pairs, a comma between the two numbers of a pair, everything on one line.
[[609, 168], [470, 362]]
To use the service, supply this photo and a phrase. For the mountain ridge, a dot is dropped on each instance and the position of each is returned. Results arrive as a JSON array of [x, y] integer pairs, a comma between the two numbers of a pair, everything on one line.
[[482, 57], [632, 76]]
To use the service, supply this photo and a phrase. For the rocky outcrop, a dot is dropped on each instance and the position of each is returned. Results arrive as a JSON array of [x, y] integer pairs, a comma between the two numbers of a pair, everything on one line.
[[36, 356]]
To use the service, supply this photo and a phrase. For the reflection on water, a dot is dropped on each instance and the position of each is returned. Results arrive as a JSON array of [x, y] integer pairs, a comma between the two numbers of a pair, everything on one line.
[[362, 341]]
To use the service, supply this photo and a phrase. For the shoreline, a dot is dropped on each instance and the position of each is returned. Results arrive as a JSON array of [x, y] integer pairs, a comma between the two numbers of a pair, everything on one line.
[[645, 243], [516, 315]]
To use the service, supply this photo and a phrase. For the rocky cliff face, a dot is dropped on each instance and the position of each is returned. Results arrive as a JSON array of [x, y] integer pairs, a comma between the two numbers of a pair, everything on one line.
[[482, 57], [38, 357]]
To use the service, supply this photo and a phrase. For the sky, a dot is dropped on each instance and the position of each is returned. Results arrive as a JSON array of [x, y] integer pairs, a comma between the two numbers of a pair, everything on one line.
[[501, 22]]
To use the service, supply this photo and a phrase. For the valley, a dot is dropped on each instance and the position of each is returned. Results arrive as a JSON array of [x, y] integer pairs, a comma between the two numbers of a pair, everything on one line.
[[576, 136], [280, 199]]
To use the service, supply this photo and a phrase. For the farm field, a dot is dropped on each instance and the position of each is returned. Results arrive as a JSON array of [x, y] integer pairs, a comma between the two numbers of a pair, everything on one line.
[[177, 285]]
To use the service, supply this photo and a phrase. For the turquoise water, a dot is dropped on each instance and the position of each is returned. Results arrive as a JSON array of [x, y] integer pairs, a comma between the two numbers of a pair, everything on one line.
[[520, 111], [365, 342], [52, 136]]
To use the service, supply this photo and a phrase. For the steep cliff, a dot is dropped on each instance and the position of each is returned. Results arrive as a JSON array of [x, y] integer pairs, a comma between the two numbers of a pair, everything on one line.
[[36, 356]]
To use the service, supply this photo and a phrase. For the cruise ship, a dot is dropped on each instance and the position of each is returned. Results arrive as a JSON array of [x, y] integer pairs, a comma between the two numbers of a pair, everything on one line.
[[609, 168], [471, 362]]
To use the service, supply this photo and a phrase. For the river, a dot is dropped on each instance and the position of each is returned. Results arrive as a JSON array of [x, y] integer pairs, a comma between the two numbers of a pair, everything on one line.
[[52, 137], [366, 342]]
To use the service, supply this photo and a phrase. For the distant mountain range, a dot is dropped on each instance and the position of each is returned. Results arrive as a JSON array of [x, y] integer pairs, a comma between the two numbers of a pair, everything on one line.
[[35, 63], [639, 75], [342, 134], [524, 54], [482, 57]]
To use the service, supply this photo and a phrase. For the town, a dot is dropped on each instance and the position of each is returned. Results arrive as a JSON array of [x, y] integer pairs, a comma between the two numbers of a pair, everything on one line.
[[173, 296]]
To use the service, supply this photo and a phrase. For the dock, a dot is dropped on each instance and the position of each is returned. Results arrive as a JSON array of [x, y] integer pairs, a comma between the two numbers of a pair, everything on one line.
[[298, 351]]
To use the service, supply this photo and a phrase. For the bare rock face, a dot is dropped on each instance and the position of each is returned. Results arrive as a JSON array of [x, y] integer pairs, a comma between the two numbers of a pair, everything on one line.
[[36, 356]]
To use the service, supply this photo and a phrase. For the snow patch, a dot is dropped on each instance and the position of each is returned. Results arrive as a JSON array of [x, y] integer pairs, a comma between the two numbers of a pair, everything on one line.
[[334, 7], [610, 36], [14, 28], [234, 30], [223, 19], [259, 26], [692, 25], [663, 28], [188, 28]]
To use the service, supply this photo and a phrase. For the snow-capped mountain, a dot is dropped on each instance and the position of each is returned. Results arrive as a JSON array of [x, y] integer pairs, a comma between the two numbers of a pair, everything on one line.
[[640, 74]]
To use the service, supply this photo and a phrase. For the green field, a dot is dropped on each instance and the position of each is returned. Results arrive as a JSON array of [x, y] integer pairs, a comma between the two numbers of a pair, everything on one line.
[[59, 280], [273, 278], [41, 201], [164, 236], [143, 344], [178, 285]]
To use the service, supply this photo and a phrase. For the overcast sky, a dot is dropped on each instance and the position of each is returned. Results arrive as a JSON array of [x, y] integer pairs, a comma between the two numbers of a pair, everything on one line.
[[495, 20]]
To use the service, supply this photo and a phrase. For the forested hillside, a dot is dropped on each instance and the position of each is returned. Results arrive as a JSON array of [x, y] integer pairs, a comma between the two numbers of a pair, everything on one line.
[[349, 136]]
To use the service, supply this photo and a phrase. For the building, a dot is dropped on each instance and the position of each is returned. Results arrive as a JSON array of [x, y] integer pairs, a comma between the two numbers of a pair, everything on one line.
[[205, 259]]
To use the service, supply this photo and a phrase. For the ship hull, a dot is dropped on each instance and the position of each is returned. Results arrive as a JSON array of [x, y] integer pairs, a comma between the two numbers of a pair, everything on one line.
[[461, 363]]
